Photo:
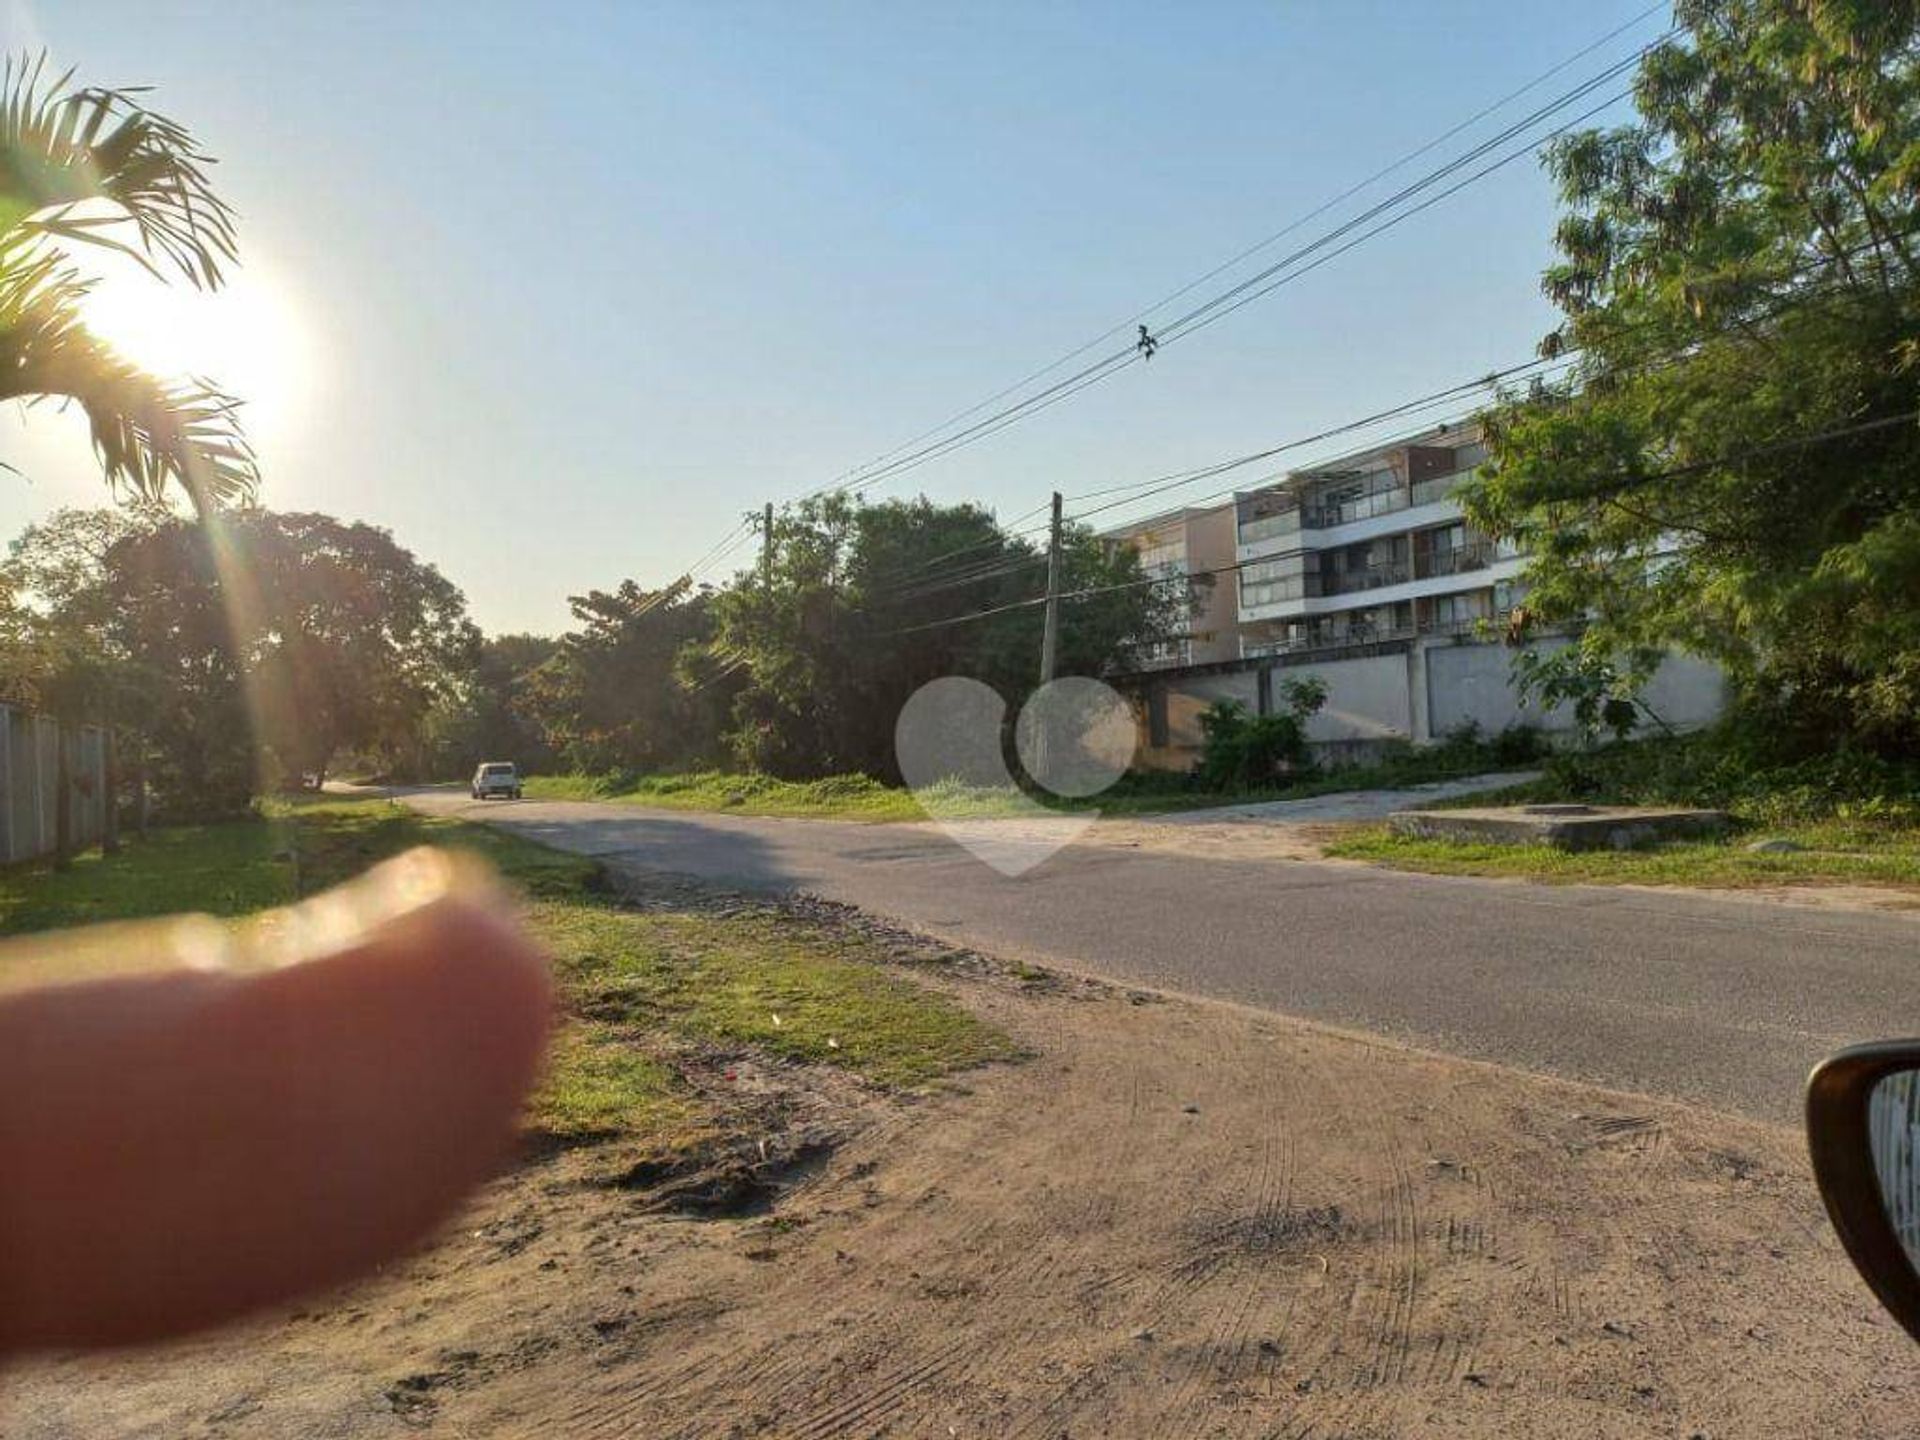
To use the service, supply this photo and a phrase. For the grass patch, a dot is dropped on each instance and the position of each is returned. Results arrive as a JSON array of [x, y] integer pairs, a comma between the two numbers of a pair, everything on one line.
[[852, 797], [781, 986], [224, 869], [860, 797], [1857, 819], [1835, 856], [636, 985]]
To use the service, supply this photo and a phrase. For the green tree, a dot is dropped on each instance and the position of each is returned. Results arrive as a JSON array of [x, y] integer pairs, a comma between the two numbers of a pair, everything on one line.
[[85, 167], [122, 621], [862, 604], [353, 641], [615, 696], [310, 633], [489, 713], [1732, 465]]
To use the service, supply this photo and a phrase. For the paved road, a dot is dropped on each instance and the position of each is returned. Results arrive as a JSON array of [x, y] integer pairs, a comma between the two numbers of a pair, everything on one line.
[[1722, 1001]]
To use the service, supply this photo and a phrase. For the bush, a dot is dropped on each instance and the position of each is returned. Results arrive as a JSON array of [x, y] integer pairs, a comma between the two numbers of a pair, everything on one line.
[[1727, 769], [1256, 752], [1518, 745]]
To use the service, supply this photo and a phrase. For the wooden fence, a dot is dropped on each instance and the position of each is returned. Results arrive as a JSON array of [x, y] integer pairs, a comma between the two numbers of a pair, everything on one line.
[[30, 748]]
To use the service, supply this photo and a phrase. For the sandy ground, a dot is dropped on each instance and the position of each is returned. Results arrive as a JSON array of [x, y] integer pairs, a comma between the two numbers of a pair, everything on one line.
[[1177, 1218]]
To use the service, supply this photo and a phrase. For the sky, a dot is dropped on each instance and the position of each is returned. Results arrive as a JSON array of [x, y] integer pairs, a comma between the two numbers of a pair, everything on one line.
[[557, 293]]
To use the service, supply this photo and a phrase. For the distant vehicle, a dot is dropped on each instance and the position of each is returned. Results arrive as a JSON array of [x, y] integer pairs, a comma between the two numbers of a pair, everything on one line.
[[496, 777]]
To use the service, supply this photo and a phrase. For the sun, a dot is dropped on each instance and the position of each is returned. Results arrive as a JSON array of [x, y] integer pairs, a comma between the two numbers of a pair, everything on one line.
[[244, 337]]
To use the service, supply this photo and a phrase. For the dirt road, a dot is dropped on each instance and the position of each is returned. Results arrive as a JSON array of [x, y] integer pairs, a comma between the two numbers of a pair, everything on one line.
[[1178, 1218]]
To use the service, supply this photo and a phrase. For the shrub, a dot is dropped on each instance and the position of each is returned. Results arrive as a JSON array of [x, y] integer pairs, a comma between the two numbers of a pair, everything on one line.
[[1520, 744], [1253, 752]]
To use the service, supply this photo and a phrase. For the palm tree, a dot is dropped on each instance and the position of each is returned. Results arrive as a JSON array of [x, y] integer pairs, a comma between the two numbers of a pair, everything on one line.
[[84, 167]]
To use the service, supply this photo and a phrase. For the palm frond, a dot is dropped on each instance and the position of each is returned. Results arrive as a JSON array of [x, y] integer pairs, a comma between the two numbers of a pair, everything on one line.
[[85, 164], [148, 433]]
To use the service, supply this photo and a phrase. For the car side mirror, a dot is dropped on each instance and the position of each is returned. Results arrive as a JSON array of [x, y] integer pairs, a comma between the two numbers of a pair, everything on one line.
[[1863, 1132]]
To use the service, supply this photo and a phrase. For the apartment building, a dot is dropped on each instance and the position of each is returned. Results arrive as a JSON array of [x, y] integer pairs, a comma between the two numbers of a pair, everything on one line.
[[1368, 547], [1195, 541], [1363, 573]]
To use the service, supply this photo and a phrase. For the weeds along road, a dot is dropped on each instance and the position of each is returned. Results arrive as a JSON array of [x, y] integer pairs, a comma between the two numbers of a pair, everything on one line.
[[1723, 1001]]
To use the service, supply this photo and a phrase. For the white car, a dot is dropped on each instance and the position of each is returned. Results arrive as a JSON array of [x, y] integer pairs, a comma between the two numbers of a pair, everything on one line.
[[496, 777]]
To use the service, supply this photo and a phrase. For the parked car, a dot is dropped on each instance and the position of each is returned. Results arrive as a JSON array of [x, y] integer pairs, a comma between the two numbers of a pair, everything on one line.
[[496, 777]]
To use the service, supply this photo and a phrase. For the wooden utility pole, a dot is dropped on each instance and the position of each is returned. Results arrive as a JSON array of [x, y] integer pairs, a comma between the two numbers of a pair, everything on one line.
[[766, 549], [1050, 636]]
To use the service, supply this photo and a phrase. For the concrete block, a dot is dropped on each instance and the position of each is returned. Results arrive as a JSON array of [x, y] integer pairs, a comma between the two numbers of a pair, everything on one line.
[[1566, 827]]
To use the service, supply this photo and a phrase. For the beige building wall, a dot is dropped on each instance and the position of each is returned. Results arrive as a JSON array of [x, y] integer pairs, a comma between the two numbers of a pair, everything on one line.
[[1212, 545]]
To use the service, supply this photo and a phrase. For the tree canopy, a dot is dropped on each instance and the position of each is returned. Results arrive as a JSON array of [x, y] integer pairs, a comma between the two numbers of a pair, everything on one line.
[[306, 634], [1732, 464], [862, 603], [86, 168]]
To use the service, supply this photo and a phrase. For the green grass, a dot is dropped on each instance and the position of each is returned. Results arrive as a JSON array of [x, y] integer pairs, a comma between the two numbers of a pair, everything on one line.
[[638, 986], [853, 797], [1858, 819], [1837, 854], [225, 869], [783, 987], [860, 797]]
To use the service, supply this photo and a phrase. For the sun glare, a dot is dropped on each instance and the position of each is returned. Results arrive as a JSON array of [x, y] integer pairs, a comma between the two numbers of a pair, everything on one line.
[[244, 337]]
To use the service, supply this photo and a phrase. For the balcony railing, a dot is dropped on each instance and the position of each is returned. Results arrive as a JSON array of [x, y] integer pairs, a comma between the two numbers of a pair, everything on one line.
[[1457, 561], [1463, 624], [1267, 527], [1440, 487], [1324, 638], [1364, 507], [1367, 577]]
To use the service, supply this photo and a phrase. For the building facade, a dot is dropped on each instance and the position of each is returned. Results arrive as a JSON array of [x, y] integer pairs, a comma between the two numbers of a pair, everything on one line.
[[1363, 573], [1369, 547], [1192, 542]]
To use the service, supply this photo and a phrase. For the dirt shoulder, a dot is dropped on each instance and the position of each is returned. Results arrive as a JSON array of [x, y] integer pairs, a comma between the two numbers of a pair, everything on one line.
[[1174, 1218]]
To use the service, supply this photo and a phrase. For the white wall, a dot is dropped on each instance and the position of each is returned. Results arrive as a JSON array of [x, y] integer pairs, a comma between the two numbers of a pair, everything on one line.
[[1367, 698], [1475, 683], [1379, 697]]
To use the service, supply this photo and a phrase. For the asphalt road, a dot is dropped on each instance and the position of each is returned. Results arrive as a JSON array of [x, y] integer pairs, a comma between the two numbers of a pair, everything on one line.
[[1720, 1001]]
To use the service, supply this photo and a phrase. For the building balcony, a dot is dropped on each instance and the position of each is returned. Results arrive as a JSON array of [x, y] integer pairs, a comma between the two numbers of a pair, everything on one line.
[[1332, 637], [1369, 577], [1457, 561]]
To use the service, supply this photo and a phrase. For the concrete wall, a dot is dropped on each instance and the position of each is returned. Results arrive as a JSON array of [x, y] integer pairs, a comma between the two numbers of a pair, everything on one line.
[[1188, 698], [1418, 691], [1367, 698], [1473, 683]]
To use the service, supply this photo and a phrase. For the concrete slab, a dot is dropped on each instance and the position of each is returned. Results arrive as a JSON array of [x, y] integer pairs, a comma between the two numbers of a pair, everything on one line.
[[1567, 827], [1341, 804]]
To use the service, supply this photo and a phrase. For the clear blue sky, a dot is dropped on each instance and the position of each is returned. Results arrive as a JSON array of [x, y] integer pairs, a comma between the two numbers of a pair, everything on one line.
[[576, 285]]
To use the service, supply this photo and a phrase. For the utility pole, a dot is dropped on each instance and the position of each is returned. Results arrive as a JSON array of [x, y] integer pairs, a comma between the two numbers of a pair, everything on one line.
[[1050, 636], [766, 549]]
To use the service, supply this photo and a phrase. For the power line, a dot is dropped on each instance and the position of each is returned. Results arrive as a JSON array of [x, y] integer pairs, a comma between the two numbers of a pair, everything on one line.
[[1565, 362], [1146, 489], [895, 462], [1269, 279], [1778, 447], [855, 475]]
